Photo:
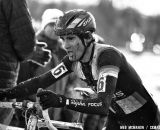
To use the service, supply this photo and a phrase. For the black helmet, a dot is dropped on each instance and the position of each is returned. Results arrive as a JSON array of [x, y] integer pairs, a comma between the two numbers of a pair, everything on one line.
[[76, 22]]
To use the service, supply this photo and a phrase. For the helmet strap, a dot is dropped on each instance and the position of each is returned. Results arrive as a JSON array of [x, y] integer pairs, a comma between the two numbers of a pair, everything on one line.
[[85, 46]]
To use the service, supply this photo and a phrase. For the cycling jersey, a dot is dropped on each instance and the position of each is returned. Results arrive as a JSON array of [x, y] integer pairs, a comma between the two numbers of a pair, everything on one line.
[[110, 75], [119, 89]]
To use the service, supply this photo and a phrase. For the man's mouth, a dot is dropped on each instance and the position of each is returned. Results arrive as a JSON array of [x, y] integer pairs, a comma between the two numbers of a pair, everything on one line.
[[69, 52]]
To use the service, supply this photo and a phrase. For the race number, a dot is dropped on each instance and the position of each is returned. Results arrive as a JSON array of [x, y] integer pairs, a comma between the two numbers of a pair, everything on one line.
[[108, 71], [102, 84], [59, 70]]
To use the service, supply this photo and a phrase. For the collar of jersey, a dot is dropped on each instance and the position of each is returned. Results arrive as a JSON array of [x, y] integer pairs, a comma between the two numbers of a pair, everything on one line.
[[91, 57]]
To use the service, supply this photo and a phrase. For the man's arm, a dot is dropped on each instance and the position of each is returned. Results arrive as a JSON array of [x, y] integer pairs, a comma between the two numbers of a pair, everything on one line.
[[20, 27], [31, 86], [108, 74], [108, 70], [100, 105], [106, 87]]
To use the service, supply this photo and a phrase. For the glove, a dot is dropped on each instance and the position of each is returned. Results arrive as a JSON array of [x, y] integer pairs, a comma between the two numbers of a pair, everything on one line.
[[41, 55], [3, 94], [48, 99]]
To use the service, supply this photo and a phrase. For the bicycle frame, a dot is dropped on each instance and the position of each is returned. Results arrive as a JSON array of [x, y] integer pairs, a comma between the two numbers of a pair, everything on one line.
[[34, 121]]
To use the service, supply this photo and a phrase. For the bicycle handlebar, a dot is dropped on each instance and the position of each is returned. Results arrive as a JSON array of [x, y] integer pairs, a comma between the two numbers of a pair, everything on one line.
[[17, 105], [33, 120], [52, 124]]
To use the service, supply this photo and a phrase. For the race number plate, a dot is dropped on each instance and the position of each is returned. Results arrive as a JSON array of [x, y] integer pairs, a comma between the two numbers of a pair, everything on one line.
[[59, 70]]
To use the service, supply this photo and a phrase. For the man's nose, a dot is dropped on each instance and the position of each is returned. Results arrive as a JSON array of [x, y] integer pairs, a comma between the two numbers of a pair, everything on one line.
[[66, 44]]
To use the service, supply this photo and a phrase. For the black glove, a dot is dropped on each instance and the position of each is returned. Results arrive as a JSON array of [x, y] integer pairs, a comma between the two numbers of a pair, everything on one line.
[[41, 55], [3, 94], [50, 99]]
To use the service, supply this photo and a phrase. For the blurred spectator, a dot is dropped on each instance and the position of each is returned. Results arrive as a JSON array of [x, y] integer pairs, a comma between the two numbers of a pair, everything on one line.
[[17, 40], [47, 34]]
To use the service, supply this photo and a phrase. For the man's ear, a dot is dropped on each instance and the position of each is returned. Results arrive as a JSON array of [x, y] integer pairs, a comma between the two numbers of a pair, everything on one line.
[[88, 37]]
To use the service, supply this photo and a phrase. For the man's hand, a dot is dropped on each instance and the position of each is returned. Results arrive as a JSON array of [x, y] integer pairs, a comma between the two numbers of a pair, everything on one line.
[[41, 55], [48, 99], [86, 92]]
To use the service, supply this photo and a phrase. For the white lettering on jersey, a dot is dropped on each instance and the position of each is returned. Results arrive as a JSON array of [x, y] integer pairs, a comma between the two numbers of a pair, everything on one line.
[[108, 71], [95, 104], [59, 70], [77, 103]]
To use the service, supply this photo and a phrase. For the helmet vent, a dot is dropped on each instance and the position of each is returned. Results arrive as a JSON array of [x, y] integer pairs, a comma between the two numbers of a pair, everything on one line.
[[74, 23], [69, 21]]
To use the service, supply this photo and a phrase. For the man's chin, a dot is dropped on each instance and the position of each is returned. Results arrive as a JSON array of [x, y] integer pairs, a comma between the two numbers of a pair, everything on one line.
[[71, 58]]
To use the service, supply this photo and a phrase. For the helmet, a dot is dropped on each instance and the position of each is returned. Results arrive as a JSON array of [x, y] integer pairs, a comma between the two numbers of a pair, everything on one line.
[[50, 16], [76, 22]]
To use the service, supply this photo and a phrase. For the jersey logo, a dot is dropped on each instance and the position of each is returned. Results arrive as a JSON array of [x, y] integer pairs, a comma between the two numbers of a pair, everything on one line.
[[118, 94], [59, 70]]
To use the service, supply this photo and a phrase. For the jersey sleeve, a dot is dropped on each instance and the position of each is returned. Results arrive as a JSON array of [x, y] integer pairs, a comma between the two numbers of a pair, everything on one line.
[[31, 86], [108, 67], [89, 106], [109, 63]]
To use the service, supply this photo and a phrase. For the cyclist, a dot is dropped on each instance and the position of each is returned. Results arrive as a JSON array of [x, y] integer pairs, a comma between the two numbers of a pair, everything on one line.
[[120, 93]]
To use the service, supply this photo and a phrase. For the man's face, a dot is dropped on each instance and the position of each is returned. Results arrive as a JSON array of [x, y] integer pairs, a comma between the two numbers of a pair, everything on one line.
[[48, 36], [49, 31], [73, 46]]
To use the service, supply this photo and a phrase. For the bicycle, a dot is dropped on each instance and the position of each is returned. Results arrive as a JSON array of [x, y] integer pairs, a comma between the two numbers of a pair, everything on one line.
[[32, 119]]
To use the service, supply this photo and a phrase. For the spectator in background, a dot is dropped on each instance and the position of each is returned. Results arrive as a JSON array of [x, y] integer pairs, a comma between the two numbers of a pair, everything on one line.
[[47, 34], [17, 42]]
